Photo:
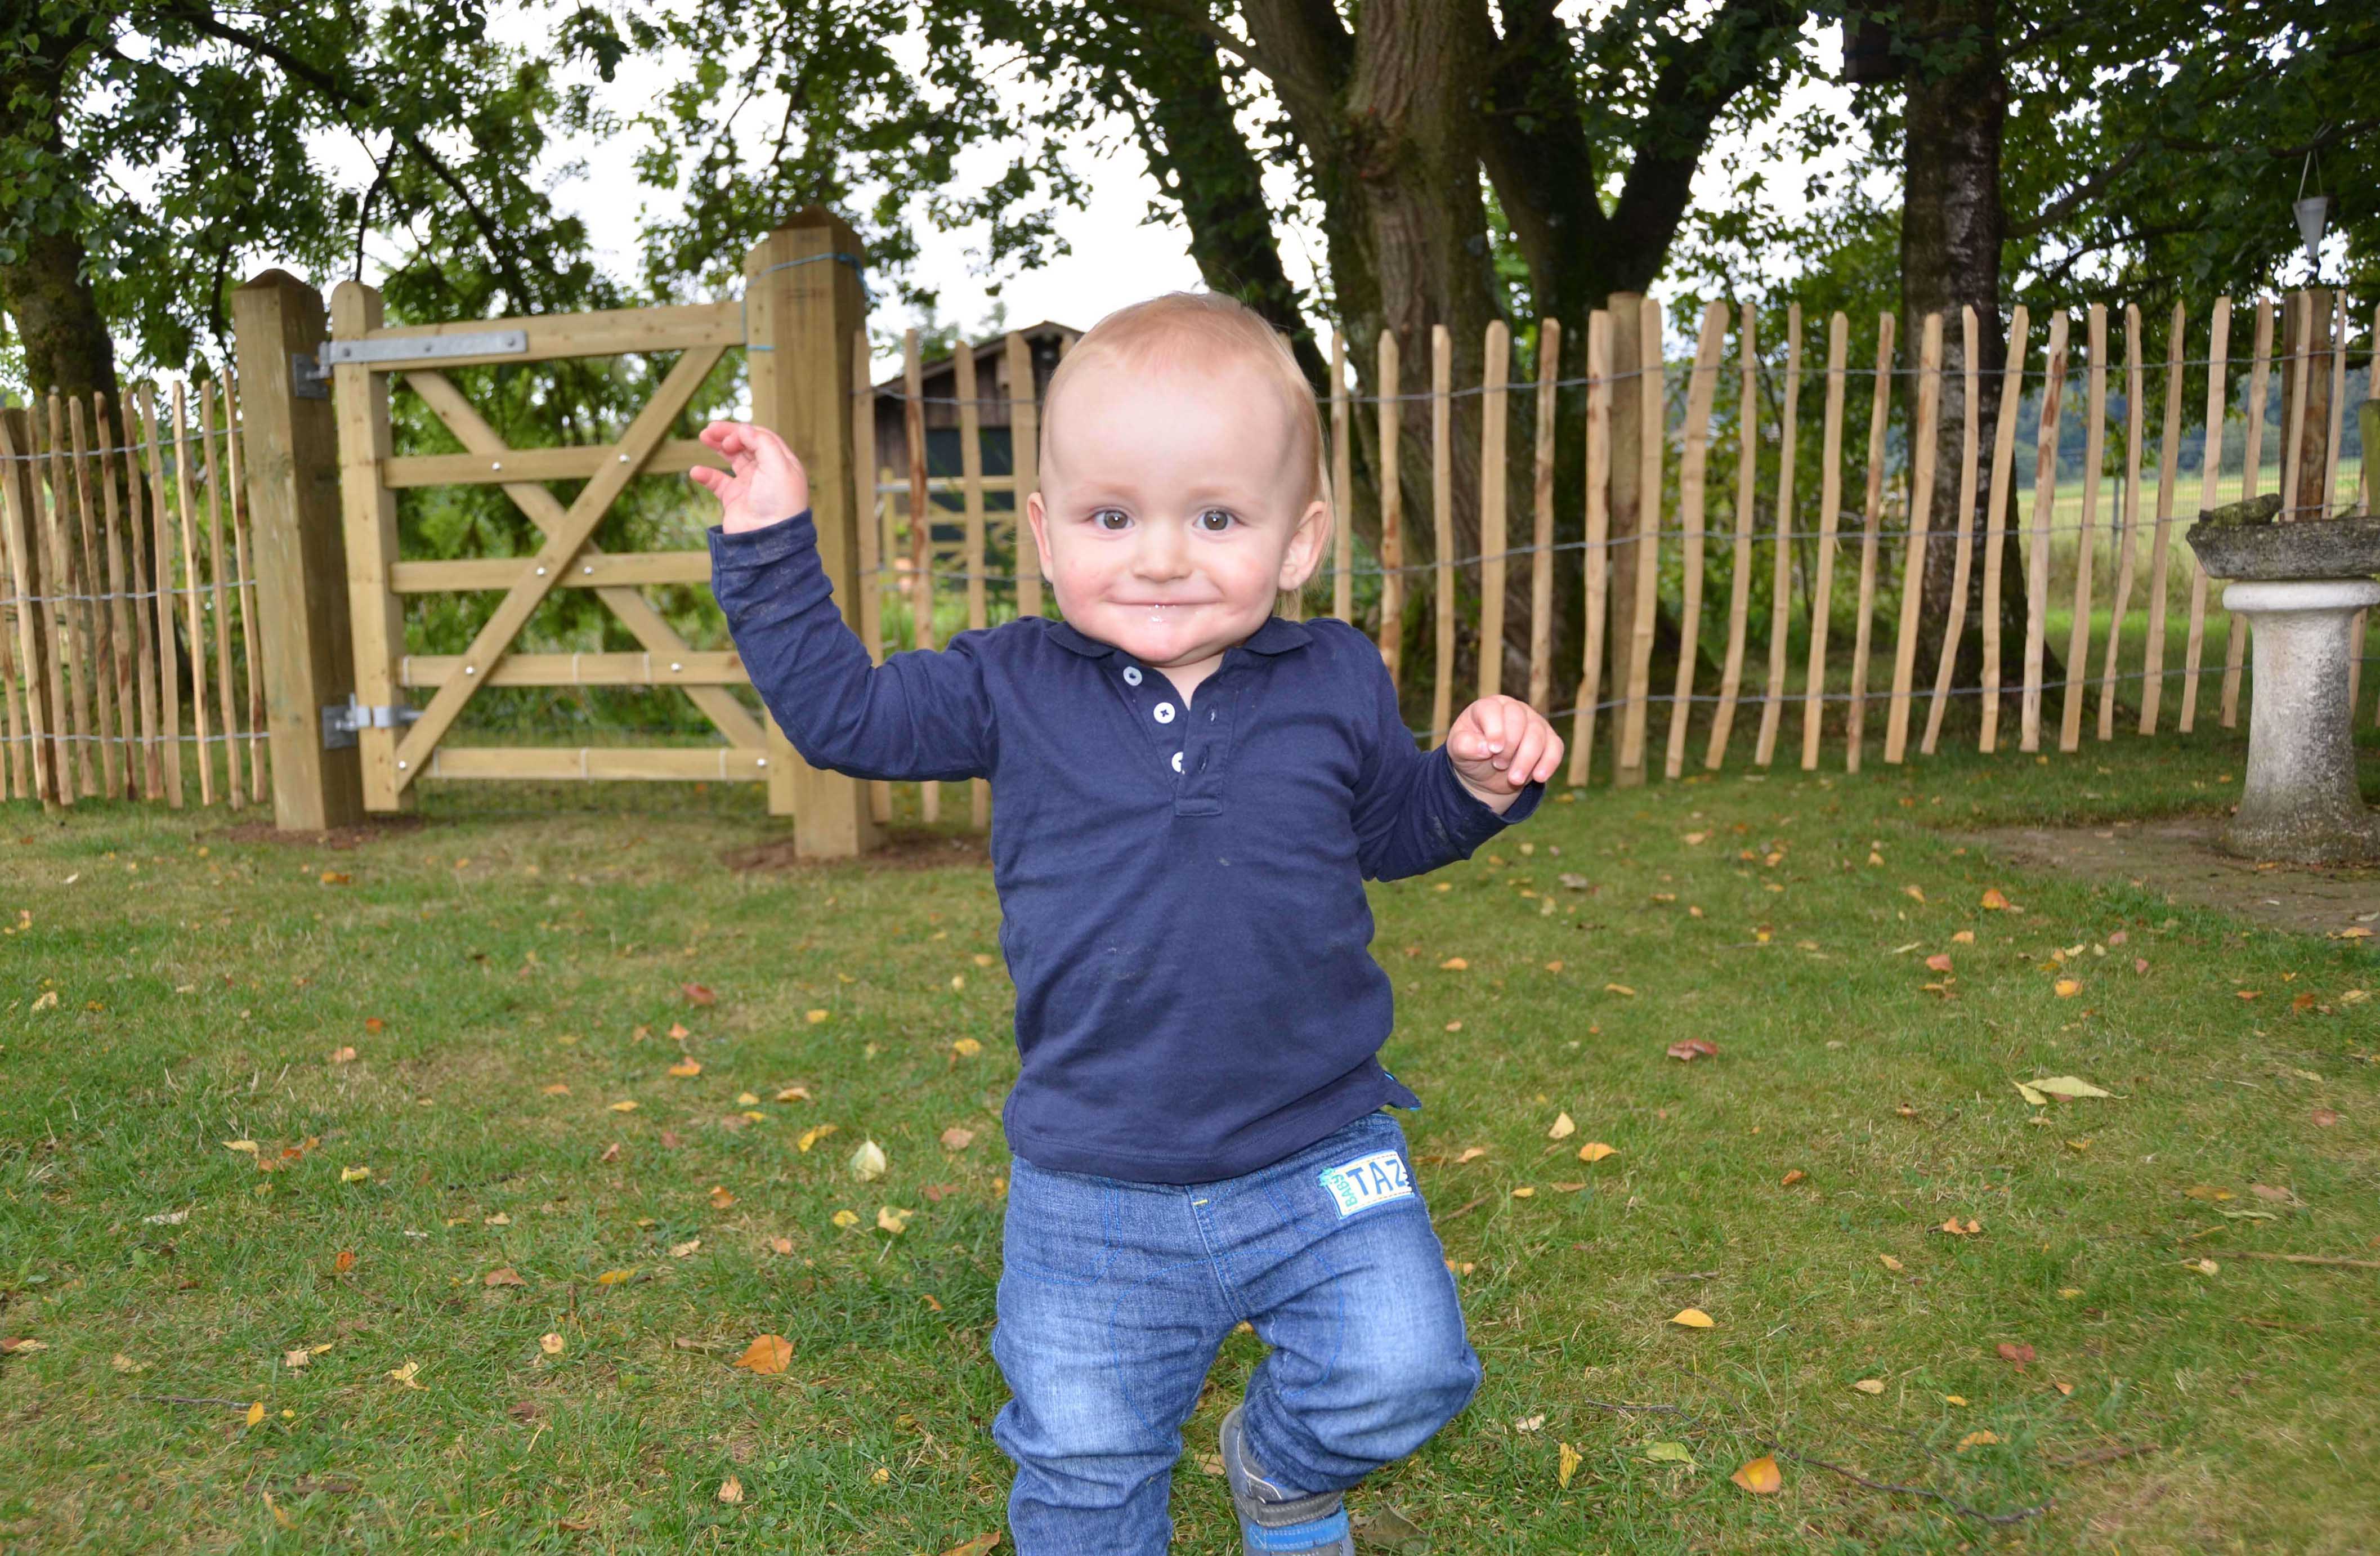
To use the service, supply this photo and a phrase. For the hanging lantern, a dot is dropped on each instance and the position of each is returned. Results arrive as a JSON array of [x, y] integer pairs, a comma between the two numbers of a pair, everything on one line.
[[2313, 216]]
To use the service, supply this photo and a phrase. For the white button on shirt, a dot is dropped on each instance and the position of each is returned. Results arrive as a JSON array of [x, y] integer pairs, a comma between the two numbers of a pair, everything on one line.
[[1131, 675], [1177, 762], [1164, 712]]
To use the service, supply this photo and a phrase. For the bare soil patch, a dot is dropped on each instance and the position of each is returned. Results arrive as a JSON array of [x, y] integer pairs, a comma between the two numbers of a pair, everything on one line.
[[903, 848], [2176, 856]]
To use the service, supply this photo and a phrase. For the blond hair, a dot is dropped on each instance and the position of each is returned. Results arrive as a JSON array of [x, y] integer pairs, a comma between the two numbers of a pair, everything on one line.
[[1207, 328]]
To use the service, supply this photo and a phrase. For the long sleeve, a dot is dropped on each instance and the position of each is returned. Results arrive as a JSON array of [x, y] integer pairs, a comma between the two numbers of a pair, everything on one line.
[[1412, 813], [922, 714]]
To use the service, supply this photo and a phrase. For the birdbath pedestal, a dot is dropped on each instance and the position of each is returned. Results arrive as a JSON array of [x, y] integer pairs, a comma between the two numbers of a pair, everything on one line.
[[2300, 585]]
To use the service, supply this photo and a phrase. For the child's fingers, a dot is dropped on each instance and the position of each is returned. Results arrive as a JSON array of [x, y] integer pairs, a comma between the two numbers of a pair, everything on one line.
[[711, 480]]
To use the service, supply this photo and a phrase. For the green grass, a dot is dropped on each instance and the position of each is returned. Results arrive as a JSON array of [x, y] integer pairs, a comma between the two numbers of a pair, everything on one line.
[[202, 984]]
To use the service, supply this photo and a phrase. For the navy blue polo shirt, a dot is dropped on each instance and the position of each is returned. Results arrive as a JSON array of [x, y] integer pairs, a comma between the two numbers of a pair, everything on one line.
[[1181, 883]]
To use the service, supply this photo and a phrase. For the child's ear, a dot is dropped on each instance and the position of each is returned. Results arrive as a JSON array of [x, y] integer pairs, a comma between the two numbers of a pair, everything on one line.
[[1034, 516], [1307, 545]]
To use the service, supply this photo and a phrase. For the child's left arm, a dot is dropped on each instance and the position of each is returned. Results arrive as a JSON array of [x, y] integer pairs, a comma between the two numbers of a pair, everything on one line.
[[1415, 810]]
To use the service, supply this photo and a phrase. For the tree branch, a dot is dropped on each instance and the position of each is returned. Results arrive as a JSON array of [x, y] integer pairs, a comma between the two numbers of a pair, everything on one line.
[[344, 96], [1297, 81], [2092, 187]]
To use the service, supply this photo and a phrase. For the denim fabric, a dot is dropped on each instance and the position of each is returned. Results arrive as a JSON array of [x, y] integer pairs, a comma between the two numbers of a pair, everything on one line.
[[1115, 1295]]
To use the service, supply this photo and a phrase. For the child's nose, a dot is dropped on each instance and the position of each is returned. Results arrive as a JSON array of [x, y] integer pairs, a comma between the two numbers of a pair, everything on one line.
[[1161, 554]]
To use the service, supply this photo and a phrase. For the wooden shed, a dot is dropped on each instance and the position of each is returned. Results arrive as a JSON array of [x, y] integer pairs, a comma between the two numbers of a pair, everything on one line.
[[941, 417]]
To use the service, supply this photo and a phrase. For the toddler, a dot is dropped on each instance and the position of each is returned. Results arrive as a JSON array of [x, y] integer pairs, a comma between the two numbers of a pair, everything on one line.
[[1188, 793]]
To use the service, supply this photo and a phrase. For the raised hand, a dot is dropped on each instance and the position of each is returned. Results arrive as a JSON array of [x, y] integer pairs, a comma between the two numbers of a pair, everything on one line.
[[1499, 746], [764, 484]]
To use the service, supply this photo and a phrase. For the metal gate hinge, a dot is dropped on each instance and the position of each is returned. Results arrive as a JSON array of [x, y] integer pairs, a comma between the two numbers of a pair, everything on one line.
[[341, 721]]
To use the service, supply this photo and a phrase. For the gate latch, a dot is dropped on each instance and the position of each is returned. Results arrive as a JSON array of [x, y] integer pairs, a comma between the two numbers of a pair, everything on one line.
[[341, 721]]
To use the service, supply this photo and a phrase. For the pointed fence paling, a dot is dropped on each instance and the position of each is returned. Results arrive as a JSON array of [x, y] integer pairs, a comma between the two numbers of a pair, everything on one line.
[[125, 645]]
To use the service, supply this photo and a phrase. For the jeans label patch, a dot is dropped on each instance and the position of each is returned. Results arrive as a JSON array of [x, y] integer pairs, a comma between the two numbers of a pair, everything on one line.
[[1368, 1181]]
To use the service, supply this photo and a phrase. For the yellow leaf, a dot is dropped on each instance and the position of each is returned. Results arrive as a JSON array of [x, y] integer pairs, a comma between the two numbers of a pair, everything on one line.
[[1523, 1192], [557, 1090], [685, 1067], [795, 1094], [1994, 901], [498, 1219], [629, 1106], [2203, 1191], [1760, 1476], [881, 1475], [767, 1355], [1953, 1399], [1620, 989], [686, 1249], [1570, 1459], [892, 1219], [846, 1218], [965, 1048], [1470, 1153], [814, 1017], [613, 1277], [813, 1134], [1914, 892], [1964, 937], [1692, 1318], [1889, 1263], [731, 1490], [1453, 964], [1563, 1128], [867, 1161], [1870, 1385], [720, 1197], [1958, 1228], [1979, 1439], [255, 1413], [746, 1099], [958, 981], [1595, 1151], [2069, 1085], [353, 1174], [247, 1146], [2204, 1266], [551, 1344], [407, 1374], [2068, 1294], [2066, 988], [2037, 1098]]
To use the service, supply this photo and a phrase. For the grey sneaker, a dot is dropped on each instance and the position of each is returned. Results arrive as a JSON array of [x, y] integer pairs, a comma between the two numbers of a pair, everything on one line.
[[1275, 1524]]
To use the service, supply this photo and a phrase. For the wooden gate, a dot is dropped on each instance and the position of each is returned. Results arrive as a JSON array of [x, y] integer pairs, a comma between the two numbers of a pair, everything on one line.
[[786, 318]]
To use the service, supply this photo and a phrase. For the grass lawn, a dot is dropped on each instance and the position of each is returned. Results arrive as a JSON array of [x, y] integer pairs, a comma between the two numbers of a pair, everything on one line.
[[509, 975]]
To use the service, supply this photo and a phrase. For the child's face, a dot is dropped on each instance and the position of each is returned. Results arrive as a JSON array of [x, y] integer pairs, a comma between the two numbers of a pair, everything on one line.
[[1171, 510]]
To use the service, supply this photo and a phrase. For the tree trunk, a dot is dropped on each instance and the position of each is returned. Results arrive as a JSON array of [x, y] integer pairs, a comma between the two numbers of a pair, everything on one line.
[[1952, 225], [46, 286]]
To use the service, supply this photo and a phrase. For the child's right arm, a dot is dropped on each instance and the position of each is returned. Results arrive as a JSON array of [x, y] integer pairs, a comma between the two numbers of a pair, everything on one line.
[[922, 714]]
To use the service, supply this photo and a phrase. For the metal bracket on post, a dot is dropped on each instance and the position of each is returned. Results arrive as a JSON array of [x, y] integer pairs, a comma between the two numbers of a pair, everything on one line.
[[341, 721], [403, 350], [307, 379]]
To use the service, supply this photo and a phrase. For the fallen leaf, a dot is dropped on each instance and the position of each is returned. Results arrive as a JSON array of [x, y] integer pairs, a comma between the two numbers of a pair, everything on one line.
[[1870, 1385], [1939, 962], [1889, 1263], [794, 1094], [813, 1134], [343, 1055], [892, 1220], [2065, 989], [1994, 902], [780, 1244], [1567, 1465], [957, 1137], [867, 1162], [1621, 989], [720, 1197], [1789, 1179], [767, 1355], [1954, 1399], [344, 1262], [2204, 1266], [1563, 1128], [1760, 1476], [613, 1277], [1964, 937], [1914, 891], [405, 1374], [1454, 964], [123, 1363], [1689, 1048], [731, 1490], [1957, 1228], [697, 994], [611, 1152], [2039, 1099], [2206, 1192], [686, 1249], [1470, 1153], [686, 1068], [1668, 1453], [1595, 1150], [679, 1033], [505, 1276], [255, 1413], [353, 1174], [557, 1090], [1978, 1440], [498, 1219], [2014, 1355], [551, 1344], [247, 1146], [1523, 1192], [1692, 1318], [2268, 1192], [845, 1218], [2068, 1086], [2324, 1118], [965, 1048], [627, 1106]]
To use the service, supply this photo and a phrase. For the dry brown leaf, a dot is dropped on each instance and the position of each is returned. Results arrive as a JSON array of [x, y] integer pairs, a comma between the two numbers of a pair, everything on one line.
[[957, 1137], [1870, 1385], [1958, 1228], [2324, 1118], [1994, 902], [686, 1249], [1470, 1153], [697, 994], [1690, 1048], [1789, 1179], [795, 1094], [731, 1490], [687, 1068], [768, 1355], [344, 1262], [611, 1152], [1890, 1263], [2014, 1355], [1939, 962], [343, 1055], [504, 1276], [1978, 1440]]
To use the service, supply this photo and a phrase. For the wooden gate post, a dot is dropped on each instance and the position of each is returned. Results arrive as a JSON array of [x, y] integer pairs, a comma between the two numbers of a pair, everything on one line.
[[303, 637], [803, 307], [35, 644], [376, 617], [1630, 427]]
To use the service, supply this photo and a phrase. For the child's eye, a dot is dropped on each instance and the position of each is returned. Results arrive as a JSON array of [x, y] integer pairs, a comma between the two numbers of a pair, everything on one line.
[[1103, 514], [1223, 514]]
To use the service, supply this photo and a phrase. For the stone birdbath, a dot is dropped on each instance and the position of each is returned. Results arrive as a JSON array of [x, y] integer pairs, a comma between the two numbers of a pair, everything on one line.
[[2299, 584]]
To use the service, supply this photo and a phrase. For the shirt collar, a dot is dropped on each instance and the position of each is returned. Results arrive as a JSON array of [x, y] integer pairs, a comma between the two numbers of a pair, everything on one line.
[[1277, 636]]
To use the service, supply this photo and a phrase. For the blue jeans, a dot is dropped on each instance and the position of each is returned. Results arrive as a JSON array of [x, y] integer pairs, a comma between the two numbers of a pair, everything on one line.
[[1114, 1297]]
